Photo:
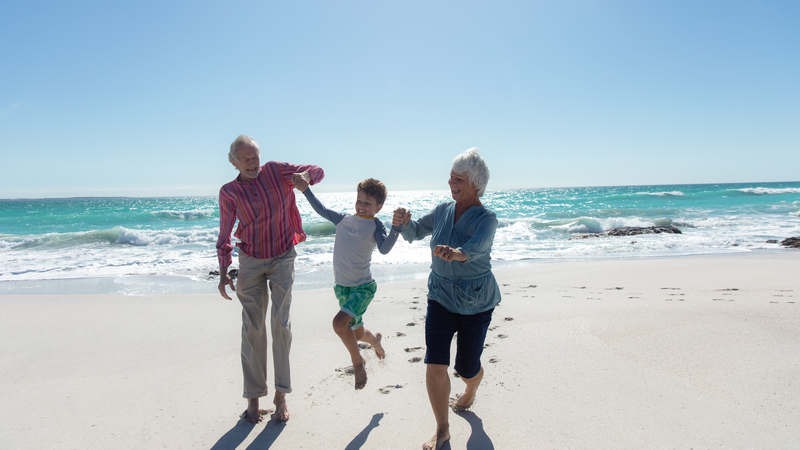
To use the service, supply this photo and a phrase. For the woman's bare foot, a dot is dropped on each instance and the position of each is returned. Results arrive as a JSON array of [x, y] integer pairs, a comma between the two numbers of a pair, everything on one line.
[[360, 372], [252, 414], [459, 403], [281, 411], [464, 401], [438, 439]]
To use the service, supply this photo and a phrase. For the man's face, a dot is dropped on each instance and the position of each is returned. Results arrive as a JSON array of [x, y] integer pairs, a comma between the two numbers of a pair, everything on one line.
[[247, 162]]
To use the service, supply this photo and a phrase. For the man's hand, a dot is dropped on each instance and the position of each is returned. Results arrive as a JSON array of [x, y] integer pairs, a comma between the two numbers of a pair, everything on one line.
[[301, 180], [449, 253], [225, 279], [401, 217]]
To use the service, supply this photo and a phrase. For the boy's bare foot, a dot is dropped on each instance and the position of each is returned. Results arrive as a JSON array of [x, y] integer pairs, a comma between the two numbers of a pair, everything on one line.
[[379, 351], [360, 370], [438, 439], [252, 414], [281, 411]]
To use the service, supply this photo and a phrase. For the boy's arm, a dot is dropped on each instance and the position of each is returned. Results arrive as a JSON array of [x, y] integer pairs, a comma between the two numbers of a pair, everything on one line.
[[326, 213], [386, 241]]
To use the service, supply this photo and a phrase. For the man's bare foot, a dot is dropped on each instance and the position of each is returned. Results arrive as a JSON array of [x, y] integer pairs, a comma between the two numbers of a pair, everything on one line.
[[379, 351], [361, 374], [281, 411], [252, 414], [438, 440]]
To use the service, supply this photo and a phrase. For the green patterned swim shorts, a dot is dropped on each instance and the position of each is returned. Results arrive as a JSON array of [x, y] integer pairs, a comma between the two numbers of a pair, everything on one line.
[[353, 301]]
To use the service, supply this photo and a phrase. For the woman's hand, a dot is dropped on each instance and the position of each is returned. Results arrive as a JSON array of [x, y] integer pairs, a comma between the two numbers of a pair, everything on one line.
[[401, 217], [449, 253]]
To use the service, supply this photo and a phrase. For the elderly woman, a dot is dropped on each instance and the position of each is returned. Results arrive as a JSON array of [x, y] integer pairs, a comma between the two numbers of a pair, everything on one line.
[[462, 291]]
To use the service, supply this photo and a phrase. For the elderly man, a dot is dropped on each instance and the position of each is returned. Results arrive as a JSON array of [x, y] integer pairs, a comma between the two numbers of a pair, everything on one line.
[[262, 199]]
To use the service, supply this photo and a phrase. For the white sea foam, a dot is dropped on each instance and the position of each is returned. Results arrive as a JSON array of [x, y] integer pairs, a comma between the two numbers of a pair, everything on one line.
[[663, 194], [769, 191]]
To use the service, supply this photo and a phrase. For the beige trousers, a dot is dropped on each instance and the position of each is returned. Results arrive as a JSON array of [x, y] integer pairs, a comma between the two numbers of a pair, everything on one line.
[[255, 275]]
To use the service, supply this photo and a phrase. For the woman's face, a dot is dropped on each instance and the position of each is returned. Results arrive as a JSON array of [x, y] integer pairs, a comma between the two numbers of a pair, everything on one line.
[[461, 189]]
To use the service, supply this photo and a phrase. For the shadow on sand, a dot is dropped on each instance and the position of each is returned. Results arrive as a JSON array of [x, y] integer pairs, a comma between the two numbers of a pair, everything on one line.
[[236, 435], [361, 439], [478, 439]]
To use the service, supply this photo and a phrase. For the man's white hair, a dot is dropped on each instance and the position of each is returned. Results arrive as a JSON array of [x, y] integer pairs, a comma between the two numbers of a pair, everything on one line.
[[243, 139]]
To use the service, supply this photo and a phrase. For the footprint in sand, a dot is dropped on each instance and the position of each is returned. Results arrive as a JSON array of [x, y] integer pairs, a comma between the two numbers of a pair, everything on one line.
[[502, 336], [390, 388], [346, 370], [728, 289], [493, 328], [669, 288], [364, 346], [508, 319], [488, 344], [494, 360], [415, 359], [411, 324], [400, 334], [412, 349], [615, 288], [531, 286]]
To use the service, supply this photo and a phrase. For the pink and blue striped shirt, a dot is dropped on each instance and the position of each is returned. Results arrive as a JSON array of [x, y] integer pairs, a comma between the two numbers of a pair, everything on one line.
[[269, 221]]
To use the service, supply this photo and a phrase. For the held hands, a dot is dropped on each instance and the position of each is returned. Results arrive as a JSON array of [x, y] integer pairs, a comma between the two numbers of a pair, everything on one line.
[[301, 180], [449, 253], [401, 217]]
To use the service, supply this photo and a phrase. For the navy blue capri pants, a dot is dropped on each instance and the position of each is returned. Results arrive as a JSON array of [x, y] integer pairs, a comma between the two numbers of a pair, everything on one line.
[[441, 325]]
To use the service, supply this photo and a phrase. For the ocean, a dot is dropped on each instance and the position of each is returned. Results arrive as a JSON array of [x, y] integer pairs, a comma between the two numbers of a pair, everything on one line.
[[145, 246]]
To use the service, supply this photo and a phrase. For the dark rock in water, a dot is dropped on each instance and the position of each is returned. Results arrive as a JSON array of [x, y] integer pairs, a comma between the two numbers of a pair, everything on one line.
[[233, 273], [631, 231], [792, 242], [772, 241]]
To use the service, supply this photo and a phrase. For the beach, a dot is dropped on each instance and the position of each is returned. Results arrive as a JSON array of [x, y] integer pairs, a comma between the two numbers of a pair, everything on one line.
[[638, 353]]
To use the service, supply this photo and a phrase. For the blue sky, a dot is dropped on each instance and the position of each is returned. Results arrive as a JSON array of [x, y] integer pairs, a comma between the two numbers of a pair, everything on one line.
[[143, 98]]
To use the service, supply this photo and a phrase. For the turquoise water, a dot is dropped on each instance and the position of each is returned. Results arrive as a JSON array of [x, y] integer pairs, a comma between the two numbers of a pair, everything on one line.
[[167, 245]]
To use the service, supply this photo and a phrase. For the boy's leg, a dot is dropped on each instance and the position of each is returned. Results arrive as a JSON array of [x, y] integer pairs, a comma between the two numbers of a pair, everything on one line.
[[364, 335], [341, 325]]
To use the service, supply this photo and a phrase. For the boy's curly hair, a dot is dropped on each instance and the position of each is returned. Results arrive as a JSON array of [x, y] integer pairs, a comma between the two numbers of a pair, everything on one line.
[[374, 189]]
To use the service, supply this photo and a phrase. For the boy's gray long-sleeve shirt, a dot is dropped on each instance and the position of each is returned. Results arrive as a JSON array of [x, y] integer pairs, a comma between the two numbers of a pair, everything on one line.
[[356, 238]]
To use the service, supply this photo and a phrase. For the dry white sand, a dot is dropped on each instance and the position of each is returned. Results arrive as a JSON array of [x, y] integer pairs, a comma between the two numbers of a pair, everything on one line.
[[694, 352]]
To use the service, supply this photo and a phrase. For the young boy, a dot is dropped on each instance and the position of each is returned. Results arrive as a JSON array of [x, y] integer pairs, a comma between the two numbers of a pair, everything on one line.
[[357, 235]]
